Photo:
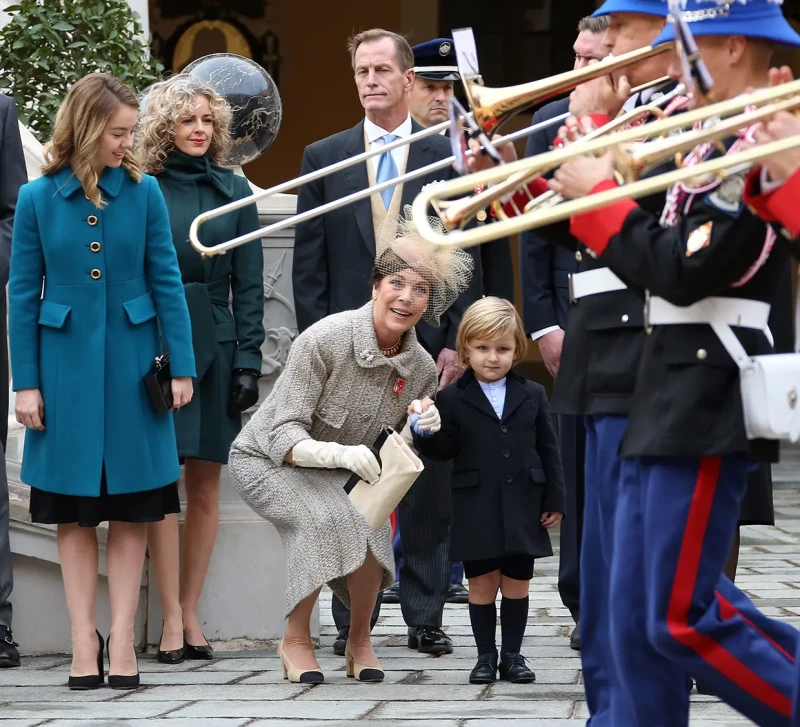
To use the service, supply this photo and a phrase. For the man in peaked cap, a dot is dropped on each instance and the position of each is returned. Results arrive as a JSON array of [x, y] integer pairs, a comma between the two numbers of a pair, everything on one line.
[[436, 73], [704, 260]]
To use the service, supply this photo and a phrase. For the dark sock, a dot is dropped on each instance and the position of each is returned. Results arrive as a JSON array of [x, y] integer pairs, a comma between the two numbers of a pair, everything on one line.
[[484, 624], [513, 619]]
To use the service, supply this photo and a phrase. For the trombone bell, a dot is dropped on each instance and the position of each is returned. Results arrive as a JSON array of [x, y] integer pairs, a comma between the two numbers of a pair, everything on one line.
[[494, 106]]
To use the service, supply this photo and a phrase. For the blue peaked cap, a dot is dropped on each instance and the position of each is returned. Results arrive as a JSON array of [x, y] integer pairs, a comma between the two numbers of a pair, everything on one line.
[[749, 18], [436, 60], [646, 7]]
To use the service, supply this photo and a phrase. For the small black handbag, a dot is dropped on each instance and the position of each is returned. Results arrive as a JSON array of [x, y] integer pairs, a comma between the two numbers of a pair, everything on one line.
[[158, 384]]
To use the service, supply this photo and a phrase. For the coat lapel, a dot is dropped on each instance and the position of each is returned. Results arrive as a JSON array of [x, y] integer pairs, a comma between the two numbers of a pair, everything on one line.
[[355, 180], [515, 395], [420, 154], [474, 396]]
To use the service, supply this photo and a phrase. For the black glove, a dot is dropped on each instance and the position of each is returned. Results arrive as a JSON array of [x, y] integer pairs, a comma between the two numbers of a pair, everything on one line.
[[244, 390]]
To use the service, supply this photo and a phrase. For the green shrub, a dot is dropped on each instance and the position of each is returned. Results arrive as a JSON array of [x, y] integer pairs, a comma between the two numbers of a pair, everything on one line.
[[50, 44]]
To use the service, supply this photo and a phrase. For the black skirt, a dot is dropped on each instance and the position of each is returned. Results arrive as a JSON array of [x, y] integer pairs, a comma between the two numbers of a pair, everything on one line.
[[150, 506]]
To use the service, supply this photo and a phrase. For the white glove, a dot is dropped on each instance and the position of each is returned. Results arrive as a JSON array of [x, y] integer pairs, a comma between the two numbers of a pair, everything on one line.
[[427, 421], [330, 455]]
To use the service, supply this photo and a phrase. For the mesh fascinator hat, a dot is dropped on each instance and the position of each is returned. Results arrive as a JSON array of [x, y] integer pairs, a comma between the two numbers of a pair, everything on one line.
[[447, 271]]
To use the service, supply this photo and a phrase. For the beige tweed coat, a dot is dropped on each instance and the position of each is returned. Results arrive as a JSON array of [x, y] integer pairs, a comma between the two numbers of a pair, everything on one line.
[[336, 387]]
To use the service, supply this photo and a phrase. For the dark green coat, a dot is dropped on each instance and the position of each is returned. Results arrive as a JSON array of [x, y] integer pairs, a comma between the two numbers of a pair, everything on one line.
[[225, 295]]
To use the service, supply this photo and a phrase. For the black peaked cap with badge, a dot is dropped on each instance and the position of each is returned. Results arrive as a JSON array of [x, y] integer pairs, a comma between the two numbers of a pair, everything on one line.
[[436, 60]]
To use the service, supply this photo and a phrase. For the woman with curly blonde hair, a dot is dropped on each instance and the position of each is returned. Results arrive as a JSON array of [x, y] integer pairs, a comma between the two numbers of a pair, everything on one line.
[[93, 278], [184, 140]]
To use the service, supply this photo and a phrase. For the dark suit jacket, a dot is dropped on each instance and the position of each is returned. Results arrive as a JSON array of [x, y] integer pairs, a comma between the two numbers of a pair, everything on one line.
[[334, 254], [506, 472], [12, 176], [496, 264], [544, 268]]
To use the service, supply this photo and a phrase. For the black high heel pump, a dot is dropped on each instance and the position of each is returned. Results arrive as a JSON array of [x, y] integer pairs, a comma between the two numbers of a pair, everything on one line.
[[204, 652], [171, 656], [118, 681], [91, 681]]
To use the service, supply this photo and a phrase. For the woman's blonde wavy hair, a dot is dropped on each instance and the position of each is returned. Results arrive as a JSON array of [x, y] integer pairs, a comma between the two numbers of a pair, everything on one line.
[[164, 105], [79, 125]]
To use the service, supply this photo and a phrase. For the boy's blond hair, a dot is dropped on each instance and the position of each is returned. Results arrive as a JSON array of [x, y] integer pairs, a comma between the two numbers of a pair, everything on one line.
[[490, 318]]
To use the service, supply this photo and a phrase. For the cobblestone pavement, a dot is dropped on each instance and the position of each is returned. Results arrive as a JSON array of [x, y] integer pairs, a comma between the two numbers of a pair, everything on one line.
[[247, 688]]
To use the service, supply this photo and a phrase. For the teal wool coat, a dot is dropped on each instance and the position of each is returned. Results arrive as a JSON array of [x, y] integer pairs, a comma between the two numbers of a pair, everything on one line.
[[88, 288], [225, 295]]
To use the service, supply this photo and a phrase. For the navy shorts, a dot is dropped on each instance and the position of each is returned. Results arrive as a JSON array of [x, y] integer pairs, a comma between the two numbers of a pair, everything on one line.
[[516, 566]]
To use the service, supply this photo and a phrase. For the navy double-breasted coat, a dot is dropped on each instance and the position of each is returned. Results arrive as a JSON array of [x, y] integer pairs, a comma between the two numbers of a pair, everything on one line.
[[88, 289], [506, 471]]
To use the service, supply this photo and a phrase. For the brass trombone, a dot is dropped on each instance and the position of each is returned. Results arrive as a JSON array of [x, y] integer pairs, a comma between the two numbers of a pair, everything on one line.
[[632, 159], [457, 213], [492, 107]]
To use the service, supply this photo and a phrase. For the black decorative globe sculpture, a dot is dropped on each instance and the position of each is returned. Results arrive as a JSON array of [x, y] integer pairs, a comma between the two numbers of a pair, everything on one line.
[[253, 97]]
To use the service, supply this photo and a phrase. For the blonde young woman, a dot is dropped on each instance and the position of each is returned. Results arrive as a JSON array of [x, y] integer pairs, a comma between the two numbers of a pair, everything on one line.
[[183, 140], [93, 232], [347, 377]]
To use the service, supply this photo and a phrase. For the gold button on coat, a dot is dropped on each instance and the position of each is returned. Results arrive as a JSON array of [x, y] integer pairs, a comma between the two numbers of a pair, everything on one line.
[[95, 247], [96, 274], [92, 220], [702, 354]]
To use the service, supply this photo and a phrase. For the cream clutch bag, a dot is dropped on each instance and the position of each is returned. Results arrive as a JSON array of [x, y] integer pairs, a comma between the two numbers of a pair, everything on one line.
[[400, 468]]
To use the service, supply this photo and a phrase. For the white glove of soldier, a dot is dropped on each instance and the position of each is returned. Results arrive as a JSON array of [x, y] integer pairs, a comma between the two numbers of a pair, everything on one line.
[[330, 455]]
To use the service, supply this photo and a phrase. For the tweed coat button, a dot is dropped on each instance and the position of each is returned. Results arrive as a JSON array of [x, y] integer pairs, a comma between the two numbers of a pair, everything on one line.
[[96, 274], [95, 247], [92, 220], [702, 354], [509, 479]]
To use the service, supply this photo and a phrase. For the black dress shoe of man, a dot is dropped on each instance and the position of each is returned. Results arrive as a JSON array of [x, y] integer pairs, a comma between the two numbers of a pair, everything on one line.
[[341, 641], [429, 640], [391, 594], [485, 669], [457, 594], [9, 656], [575, 638], [514, 668]]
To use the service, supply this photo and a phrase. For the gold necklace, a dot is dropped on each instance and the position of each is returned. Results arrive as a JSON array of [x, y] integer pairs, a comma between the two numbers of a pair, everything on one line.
[[392, 350]]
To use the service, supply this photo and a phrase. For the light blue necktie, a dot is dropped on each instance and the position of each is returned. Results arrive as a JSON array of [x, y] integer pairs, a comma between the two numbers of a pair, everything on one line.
[[387, 170]]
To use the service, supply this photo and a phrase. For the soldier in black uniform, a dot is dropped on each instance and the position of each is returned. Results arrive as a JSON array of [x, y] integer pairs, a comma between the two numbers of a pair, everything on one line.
[[685, 451], [600, 355]]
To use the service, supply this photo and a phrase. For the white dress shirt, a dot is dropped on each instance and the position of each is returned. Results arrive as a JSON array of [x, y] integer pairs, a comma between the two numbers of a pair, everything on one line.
[[496, 394], [374, 137]]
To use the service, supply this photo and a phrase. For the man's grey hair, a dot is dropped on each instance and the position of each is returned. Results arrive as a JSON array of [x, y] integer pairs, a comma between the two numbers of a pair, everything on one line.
[[594, 25]]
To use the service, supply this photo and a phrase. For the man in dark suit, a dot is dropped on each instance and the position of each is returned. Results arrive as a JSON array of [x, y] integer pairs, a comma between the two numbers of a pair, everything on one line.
[[545, 271], [435, 75], [12, 177], [334, 256]]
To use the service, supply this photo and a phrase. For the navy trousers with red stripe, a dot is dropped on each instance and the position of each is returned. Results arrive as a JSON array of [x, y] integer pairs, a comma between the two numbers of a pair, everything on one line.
[[608, 705], [676, 519]]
